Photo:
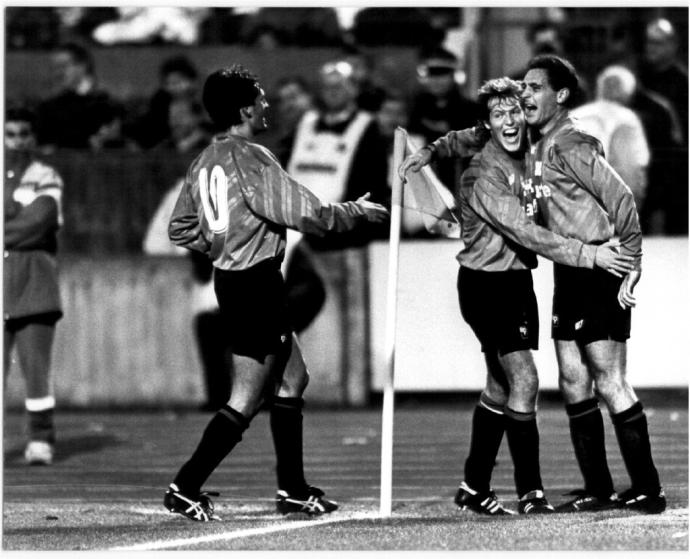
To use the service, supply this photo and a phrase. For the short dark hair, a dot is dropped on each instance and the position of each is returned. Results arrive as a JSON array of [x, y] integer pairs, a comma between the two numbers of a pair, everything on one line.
[[561, 75], [504, 88], [228, 90], [178, 65], [20, 114], [79, 54]]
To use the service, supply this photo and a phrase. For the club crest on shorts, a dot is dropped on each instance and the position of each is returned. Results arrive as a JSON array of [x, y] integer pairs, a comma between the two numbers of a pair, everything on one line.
[[524, 331], [579, 324], [554, 320]]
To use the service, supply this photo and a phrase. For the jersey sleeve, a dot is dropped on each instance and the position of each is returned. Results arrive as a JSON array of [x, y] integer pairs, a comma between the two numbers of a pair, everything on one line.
[[185, 228], [499, 207], [459, 143], [28, 228], [586, 164], [273, 194]]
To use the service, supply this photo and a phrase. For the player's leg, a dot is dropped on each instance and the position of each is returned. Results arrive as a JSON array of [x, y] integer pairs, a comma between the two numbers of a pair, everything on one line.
[[286, 419], [522, 431], [607, 359], [250, 303], [573, 290], [34, 341], [488, 426], [215, 357], [586, 429]]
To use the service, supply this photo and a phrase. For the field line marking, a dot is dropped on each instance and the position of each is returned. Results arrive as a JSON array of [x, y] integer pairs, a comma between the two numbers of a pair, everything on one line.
[[224, 536]]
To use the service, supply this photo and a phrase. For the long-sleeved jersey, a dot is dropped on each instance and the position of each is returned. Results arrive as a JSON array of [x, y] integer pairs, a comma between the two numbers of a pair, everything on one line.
[[579, 193], [32, 212], [237, 202], [498, 209]]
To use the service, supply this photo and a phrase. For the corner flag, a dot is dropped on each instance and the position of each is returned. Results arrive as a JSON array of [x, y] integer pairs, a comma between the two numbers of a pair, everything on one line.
[[424, 194]]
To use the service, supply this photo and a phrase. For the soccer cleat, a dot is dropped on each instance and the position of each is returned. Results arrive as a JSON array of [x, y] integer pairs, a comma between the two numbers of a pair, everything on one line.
[[312, 502], [199, 508], [534, 502], [39, 453], [584, 502], [648, 503], [483, 503]]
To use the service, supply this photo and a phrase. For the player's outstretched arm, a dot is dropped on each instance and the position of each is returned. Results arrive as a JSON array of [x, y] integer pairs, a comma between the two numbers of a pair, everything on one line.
[[608, 257], [625, 293], [375, 213]]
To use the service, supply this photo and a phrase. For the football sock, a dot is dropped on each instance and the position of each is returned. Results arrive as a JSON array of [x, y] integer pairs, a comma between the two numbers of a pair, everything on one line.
[[221, 435], [286, 428], [633, 439], [41, 426], [488, 425], [523, 441], [587, 435]]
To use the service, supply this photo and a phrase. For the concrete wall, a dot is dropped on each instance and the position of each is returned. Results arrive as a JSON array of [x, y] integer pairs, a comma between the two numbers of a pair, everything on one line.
[[126, 337]]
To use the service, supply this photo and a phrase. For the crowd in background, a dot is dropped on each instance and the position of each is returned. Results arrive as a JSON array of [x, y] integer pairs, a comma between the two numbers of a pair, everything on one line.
[[637, 107]]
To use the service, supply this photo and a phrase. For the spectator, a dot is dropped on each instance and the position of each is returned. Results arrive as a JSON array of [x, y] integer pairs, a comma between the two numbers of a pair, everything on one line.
[[148, 25], [293, 98], [618, 128], [665, 207], [543, 37], [440, 107], [662, 72], [177, 80], [110, 134], [70, 117], [392, 114], [32, 216], [339, 154], [186, 124], [370, 94]]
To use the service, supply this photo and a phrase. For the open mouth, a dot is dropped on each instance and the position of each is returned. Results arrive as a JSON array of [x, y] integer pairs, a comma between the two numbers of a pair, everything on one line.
[[510, 134], [529, 108]]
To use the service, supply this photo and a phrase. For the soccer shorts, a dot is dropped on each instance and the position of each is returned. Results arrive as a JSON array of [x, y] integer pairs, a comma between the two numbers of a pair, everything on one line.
[[253, 310], [501, 309], [585, 306]]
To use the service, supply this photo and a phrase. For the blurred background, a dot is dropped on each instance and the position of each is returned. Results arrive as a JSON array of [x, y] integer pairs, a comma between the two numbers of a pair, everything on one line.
[[116, 95]]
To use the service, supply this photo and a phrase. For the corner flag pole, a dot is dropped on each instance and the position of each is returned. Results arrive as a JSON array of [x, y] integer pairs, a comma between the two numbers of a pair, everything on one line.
[[391, 312]]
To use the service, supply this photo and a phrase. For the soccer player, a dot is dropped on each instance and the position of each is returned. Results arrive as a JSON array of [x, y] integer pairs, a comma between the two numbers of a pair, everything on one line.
[[235, 206], [498, 207], [32, 209], [585, 199]]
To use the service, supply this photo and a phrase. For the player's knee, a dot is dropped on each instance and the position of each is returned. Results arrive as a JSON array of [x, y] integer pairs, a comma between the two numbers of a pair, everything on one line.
[[610, 385]]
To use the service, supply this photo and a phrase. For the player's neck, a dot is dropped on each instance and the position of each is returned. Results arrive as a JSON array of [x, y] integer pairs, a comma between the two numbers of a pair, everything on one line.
[[243, 130]]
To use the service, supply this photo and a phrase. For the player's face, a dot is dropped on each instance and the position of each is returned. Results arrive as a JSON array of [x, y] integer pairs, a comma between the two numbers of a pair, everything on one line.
[[507, 122], [18, 135], [539, 99], [258, 121]]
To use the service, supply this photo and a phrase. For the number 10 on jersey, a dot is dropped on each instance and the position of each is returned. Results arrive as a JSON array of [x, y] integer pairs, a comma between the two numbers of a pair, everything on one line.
[[214, 198]]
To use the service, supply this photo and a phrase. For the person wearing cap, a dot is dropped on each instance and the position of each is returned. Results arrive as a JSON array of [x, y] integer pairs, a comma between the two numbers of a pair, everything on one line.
[[440, 106]]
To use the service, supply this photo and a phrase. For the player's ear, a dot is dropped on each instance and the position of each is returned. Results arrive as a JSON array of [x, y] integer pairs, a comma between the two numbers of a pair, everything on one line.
[[247, 112], [562, 95], [486, 125]]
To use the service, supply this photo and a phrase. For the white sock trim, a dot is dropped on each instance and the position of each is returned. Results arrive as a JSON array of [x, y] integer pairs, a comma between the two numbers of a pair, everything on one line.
[[40, 404]]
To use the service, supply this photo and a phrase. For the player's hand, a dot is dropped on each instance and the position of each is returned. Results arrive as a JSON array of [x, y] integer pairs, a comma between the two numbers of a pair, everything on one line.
[[414, 162], [374, 212], [609, 258], [625, 293]]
